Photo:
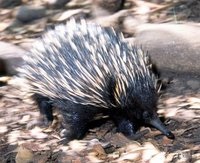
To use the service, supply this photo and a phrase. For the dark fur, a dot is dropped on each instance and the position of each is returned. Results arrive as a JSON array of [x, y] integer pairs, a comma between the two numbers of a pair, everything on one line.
[[77, 117]]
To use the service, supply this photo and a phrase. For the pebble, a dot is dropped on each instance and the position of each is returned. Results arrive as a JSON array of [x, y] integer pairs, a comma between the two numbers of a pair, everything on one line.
[[194, 84], [27, 13], [9, 3], [106, 7], [10, 58]]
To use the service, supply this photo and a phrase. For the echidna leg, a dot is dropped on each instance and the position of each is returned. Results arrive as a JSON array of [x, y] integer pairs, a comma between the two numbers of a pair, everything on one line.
[[45, 108], [124, 125], [76, 121]]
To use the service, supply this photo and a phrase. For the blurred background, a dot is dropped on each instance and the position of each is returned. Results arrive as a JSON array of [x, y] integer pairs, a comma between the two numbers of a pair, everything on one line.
[[168, 30]]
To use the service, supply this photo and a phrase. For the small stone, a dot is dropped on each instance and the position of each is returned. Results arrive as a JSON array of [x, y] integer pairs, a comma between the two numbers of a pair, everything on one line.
[[110, 5], [9, 3], [10, 58], [29, 13], [106, 7]]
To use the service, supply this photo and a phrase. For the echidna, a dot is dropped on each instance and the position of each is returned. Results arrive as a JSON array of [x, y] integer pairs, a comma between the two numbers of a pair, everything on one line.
[[84, 69]]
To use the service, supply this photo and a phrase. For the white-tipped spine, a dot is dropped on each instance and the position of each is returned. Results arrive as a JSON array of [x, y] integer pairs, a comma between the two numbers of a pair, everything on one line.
[[87, 83]]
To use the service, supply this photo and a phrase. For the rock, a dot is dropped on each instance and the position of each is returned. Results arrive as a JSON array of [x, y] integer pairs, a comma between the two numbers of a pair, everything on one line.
[[106, 7], [194, 84], [10, 58], [29, 13], [56, 4], [173, 47], [9, 3]]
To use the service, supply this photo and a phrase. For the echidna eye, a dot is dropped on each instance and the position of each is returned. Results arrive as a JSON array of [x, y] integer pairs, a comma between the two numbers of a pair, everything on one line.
[[146, 115]]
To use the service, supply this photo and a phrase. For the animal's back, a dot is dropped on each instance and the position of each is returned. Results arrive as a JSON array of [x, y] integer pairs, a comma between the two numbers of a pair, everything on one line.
[[83, 63]]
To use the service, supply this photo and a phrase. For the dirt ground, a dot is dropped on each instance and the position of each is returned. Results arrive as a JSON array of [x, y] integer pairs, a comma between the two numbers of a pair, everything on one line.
[[179, 104]]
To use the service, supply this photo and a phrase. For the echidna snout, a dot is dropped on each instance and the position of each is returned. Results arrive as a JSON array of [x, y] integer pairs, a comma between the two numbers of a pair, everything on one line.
[[151, 118], [160, 126]]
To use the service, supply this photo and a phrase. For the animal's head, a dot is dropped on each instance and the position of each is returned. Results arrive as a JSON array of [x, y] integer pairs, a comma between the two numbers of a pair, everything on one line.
[[141, 105]]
